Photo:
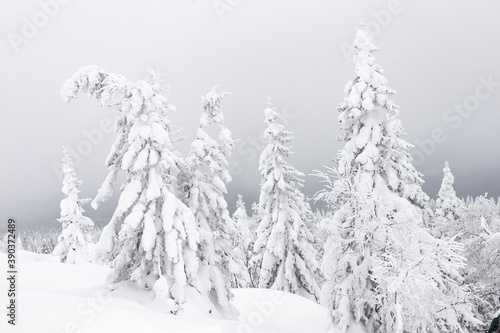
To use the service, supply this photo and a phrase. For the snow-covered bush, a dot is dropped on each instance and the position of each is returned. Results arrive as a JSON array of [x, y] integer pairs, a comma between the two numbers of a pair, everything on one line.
[[483, 271], [472, 213], [480, 234]]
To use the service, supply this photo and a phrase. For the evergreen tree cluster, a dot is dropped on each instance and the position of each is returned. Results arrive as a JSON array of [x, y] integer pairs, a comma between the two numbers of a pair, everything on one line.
[[380, 255]]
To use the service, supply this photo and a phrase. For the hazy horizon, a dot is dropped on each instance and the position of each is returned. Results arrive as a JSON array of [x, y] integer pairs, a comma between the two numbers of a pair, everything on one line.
[[447, 77]]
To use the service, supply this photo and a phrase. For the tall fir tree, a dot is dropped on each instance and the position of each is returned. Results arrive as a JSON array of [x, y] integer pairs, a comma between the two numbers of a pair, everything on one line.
[[74, 240], [207, 163], [383, 269], [153, 232], [448, 207], [284, 242]]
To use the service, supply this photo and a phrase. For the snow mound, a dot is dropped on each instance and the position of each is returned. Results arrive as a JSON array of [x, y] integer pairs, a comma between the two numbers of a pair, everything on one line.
[[266, 311], [60, 298]]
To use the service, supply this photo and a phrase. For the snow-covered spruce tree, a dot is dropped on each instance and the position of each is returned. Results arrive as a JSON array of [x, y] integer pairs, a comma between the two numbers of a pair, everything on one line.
[[448, 207], [284, 243], [245, 239], [154, 233], [75, 237], [384, 270], [208, 175], [242, 222], [255, 218], [255, 262]]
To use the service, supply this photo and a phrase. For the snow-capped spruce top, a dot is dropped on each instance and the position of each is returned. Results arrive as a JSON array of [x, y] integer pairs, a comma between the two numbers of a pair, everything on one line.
[[142, 126], [272, 158], [212, 106], [71, 184], [373, 133]]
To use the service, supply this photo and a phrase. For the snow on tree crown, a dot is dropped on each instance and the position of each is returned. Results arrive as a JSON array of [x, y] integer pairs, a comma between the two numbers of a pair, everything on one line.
[[274, 131], [212, 107], [213, 115], [369, 89], [142, 125], [115, 91]]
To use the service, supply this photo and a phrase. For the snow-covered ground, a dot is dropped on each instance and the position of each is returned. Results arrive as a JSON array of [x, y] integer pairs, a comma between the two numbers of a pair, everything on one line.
[[63, 298]]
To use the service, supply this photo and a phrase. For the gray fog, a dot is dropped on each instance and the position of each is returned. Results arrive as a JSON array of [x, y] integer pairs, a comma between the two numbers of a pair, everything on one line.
[[443, 58]]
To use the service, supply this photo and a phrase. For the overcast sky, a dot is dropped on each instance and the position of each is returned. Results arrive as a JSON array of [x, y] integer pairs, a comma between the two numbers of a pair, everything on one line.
[[443, 58]]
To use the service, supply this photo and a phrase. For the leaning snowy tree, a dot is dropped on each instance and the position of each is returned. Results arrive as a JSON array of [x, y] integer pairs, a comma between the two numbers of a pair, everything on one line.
[[154, 233], [74, 239], [448, 207], [284, 243], [384, 270], [205, 188]]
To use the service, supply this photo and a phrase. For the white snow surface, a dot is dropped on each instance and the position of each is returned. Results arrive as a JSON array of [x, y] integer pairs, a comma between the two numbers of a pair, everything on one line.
[[57, 298]]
